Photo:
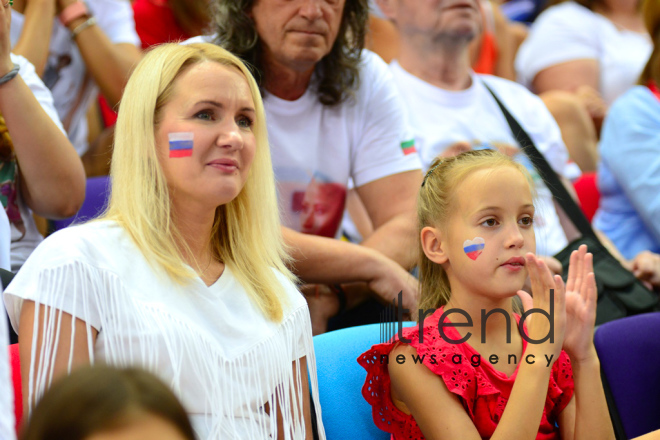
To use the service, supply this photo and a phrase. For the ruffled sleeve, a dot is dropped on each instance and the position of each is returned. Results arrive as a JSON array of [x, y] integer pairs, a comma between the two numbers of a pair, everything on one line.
[[377, 392]]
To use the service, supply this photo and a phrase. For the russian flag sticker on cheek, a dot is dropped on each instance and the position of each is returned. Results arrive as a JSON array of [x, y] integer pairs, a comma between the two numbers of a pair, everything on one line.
[[474, 248], [181, 144]]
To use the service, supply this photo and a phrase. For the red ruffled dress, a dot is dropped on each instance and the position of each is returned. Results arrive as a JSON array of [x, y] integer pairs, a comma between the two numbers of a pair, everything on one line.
[[483, 390]]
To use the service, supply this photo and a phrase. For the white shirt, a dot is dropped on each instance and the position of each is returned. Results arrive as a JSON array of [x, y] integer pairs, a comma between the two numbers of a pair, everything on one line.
[[66, 74], [441, 118], [569, 32], [221, 356], [360, 139], [23, 245]]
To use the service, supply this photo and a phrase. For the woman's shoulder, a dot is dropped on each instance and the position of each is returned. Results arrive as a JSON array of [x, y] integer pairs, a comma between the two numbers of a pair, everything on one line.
[[292, 295], [82, 241]]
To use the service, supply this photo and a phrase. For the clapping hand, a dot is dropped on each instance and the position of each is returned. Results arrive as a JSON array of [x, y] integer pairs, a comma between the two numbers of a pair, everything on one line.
[[581, 299], [543, 282], [580, 304]]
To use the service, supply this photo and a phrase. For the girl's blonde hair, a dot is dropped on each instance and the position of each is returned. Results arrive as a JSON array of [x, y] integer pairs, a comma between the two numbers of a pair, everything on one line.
[[246, 233], [435, 204]]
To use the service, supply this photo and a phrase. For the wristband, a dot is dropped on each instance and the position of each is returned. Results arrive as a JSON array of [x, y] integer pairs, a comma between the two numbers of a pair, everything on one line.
[[91, 21], [11, 75], [72, 12]]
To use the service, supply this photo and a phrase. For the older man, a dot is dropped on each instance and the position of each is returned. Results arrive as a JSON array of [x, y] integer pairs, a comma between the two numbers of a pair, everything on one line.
[[451, 108], [332, 111]]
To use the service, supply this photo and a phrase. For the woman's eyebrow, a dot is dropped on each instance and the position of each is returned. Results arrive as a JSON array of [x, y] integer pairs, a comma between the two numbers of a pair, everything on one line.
[[220, 105]]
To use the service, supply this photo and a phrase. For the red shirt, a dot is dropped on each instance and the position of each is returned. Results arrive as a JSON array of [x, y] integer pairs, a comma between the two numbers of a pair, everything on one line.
[[483, 390], [155, 23]]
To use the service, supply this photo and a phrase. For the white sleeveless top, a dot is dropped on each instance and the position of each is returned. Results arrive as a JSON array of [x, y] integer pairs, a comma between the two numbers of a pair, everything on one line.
[[216, 350]]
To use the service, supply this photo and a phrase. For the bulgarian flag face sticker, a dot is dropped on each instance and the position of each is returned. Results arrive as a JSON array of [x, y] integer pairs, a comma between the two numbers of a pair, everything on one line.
[[408, 147], [474, 248]]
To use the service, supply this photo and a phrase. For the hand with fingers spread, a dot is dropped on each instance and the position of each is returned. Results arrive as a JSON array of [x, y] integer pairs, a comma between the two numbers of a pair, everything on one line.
[[543, 282], [581, 298]]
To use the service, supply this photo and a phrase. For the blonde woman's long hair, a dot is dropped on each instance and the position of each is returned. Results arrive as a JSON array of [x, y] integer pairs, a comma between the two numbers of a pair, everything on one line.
[[246, 233], [435, 204]]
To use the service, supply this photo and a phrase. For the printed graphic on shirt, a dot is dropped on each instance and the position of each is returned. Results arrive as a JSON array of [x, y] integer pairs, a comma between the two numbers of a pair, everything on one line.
[[181, 144], [474, 248], [321, 207], [316, 205], [408, 147]]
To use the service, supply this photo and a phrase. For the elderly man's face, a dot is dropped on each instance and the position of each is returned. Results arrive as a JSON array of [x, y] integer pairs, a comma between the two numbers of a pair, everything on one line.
[[297, 33], [451, 19]]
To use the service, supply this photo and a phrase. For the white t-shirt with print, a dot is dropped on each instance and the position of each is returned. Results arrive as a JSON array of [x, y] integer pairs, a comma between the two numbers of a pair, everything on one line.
[[440, 118], [23, 245], [66, 75], [569, 32], [364, 139]]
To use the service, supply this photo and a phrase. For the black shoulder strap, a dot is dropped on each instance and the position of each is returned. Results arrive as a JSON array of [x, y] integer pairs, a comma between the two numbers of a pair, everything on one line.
[[546, 172]]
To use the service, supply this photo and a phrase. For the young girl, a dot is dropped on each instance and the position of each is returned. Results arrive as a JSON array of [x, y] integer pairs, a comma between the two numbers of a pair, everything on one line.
[[467, 371]]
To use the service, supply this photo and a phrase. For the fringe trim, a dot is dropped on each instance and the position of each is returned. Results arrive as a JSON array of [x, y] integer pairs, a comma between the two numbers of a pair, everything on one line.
[[238, 394]]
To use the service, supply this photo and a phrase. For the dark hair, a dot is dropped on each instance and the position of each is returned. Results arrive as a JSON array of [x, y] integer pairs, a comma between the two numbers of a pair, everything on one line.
[[191, 15], [338, 72], [97, 398]]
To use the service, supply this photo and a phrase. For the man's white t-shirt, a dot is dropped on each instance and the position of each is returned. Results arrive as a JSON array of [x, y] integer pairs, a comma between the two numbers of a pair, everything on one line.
[[364, 139], [440, 118], [23, 244], [66, 74], [569, 32]]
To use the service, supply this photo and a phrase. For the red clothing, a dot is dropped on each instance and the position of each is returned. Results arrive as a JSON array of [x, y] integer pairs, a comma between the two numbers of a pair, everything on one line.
[[155, 23], [483, 390]]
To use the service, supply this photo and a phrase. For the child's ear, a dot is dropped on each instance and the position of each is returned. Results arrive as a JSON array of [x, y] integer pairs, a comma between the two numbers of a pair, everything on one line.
[[433, 245]]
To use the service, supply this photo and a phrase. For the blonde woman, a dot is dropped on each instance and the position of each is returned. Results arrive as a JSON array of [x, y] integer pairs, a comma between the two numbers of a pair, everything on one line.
[[184, 275]]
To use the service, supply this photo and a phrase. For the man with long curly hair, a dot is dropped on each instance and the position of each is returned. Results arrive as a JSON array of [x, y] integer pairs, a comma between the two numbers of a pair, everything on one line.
[[332, 109]]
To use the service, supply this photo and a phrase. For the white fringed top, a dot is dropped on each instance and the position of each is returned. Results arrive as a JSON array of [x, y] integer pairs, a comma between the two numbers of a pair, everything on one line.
[[230, 366]]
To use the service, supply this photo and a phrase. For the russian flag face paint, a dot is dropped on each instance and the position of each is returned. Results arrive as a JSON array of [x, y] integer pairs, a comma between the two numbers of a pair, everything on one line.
[[181, 144], [474, 248]]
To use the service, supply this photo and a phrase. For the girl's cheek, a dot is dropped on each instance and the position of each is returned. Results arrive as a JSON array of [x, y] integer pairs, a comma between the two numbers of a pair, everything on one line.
[[473, 248]]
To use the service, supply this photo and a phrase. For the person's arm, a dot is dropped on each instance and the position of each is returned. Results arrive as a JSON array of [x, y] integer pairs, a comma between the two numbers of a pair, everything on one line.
[[629, 148], [110, 64], [52, 177], [391, 205], [592, 418], [34, 41], [320, 260], [299, 367], [59, 358], [504, 67], [568, 76]]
